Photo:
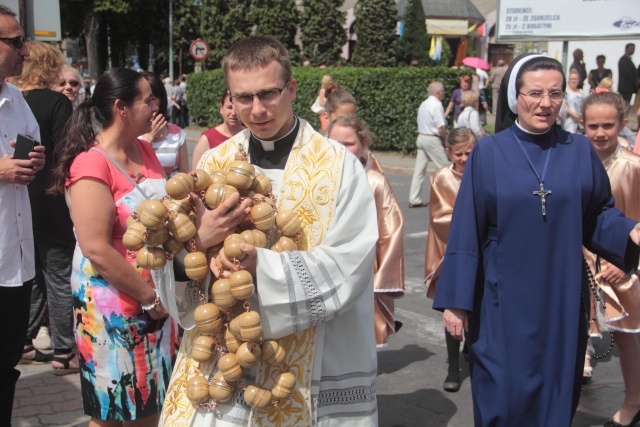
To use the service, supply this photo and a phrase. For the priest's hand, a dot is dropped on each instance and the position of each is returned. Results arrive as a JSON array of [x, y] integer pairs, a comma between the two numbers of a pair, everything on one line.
[[455, 322], [229, 266], [614, 275], [215, 225], [635, 233]]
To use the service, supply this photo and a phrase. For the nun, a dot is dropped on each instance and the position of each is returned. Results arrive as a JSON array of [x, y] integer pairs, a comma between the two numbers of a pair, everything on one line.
[[513, 278]]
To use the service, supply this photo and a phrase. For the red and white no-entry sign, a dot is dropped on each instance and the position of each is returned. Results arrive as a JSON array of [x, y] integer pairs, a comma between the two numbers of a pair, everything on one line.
[[199, 49]]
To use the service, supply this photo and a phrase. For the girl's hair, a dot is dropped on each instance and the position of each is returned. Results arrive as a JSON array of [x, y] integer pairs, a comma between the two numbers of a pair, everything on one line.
[[158, 91], [606, 83], [607, 98], [469, 98], [335, 97], [41, 68], [460, 136], [357, 124], [91, 116], [540, 63], [224, 96], [326, 79]]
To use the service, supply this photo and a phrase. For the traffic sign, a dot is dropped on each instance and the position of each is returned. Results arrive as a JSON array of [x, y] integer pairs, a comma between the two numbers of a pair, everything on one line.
[[199, 49]]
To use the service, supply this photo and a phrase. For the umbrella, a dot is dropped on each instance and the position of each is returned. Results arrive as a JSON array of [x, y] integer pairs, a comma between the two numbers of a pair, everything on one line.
[[474, 62]]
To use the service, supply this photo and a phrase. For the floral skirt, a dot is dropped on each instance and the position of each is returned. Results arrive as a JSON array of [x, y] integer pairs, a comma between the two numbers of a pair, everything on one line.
[[126, 357]]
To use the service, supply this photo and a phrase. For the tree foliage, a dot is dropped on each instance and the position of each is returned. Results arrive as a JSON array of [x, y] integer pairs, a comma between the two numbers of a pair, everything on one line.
[[279, 19], [222, 23], [376, 29], [414, 43], [322, 25]]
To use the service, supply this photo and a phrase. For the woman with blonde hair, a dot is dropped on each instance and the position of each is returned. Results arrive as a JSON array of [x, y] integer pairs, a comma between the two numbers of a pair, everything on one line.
[[470, 118], [52, 228]]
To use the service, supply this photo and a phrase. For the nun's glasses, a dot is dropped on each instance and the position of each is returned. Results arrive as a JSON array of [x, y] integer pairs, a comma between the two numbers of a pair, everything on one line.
[[555, 96]]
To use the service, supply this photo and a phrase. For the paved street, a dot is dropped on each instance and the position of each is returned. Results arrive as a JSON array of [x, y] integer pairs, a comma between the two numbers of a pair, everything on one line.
[[411, 369]]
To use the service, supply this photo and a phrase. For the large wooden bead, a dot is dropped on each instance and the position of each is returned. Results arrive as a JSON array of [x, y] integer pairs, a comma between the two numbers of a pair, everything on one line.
[[231, 341], [221, 293], [232, 247], [234, 326], [181, 227], [151, 258], [153, 214], [262, 216], [255, 238], [172, 245], [216, 194], [179, 186], [259, 198], [180, 206], [157, 237], [131, 219], [203, 349], [195, 265], [230, 368], [242, 286], [220, 390], [272, 353], [250, 326], [198, 389], [133, 238], [284, 386], [248, 355], [201, 180], [218, 177], [257, 397], [284, 244], [261, 185], [209, 319], [240, 174], [288, 223]]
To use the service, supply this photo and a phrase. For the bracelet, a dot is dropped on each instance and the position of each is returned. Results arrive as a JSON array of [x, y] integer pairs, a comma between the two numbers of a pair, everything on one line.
[[154, 304]]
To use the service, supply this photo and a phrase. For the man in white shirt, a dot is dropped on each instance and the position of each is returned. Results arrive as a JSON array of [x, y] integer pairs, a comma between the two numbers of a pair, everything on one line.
[[431, 139], [16, 234]]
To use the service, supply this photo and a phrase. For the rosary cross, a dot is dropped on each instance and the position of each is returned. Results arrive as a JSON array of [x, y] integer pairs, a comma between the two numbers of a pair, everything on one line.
[[542, 193]]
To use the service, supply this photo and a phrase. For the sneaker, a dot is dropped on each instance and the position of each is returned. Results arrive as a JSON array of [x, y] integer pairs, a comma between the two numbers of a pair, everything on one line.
[[43, 340]]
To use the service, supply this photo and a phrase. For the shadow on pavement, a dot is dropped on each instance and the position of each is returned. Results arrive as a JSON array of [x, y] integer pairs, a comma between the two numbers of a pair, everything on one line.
[[399, 410], [395, 360]]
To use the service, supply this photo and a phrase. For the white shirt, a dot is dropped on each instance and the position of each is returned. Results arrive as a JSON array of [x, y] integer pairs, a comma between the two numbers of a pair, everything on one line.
[[17, 263], [470, 118], [483, 77], [430, 116]]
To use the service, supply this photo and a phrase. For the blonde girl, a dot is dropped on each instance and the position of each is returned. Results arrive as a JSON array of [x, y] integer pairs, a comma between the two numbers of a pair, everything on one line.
[[388, 277], [604, 115], [445, 184]]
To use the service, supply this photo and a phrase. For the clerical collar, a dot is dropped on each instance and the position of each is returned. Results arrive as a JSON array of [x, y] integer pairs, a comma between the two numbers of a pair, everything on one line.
[[529, 132], [273, 154]]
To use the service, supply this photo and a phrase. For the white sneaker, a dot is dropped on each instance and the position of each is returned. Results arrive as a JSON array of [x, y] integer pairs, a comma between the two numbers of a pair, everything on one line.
[[43, 340]]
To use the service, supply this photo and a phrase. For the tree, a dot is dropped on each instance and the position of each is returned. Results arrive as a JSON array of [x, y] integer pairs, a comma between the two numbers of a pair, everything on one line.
[[279, 19], [222, 23], [376, 29], [186, 28], [322, 25], [414, 44]]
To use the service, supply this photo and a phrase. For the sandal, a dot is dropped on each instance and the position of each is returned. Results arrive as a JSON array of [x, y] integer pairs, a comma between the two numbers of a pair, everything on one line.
[[66, 369], [40, 358]]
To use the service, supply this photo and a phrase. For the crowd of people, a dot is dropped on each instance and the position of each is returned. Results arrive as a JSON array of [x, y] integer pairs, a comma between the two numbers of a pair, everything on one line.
[[103, 154]]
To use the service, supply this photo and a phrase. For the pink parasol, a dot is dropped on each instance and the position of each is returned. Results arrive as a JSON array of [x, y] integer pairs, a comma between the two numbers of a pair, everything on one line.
[[474, 62]]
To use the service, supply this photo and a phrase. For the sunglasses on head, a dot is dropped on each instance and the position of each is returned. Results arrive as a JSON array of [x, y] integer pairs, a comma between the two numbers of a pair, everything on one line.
[[15, 42], [72, 83]]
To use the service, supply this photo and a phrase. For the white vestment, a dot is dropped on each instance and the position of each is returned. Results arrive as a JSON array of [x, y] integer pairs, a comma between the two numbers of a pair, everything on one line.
[[317, 302]]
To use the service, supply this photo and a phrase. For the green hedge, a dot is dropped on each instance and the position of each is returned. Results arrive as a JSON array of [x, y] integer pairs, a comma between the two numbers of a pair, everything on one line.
[[388, 98]]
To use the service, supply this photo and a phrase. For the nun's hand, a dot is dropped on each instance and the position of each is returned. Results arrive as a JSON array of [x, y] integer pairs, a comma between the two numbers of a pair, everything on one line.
[[455, 322], [635, 234]]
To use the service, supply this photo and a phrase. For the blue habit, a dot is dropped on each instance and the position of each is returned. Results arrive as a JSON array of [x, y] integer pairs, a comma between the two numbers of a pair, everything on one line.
[[522, 277]]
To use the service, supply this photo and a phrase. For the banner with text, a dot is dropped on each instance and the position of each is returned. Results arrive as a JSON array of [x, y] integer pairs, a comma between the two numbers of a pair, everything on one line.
[[567, 19]]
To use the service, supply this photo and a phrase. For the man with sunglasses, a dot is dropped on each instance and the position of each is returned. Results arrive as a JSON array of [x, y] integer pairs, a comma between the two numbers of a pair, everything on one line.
[[318, 300], [16, 234]]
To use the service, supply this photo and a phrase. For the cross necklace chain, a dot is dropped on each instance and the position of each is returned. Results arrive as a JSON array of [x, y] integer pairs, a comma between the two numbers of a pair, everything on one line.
[[542, 192]]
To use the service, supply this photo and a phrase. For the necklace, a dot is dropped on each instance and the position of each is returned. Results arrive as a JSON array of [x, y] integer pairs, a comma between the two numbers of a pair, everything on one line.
[[542, 193]]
